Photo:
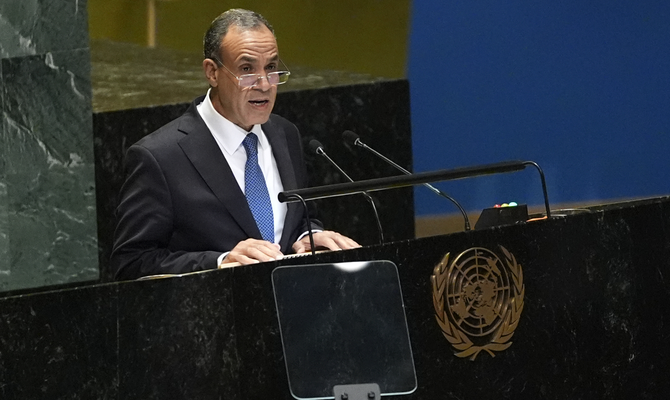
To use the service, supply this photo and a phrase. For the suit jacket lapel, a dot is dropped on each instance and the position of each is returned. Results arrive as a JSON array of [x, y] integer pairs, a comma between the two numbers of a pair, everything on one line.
[[277, 138], [202, 150]]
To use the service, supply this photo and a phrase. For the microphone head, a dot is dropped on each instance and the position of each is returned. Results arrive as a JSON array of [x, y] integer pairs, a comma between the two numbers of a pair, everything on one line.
[[351, 137], [316, 146]]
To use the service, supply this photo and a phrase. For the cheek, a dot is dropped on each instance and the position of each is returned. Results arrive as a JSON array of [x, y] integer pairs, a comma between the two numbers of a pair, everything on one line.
[[220, 82]]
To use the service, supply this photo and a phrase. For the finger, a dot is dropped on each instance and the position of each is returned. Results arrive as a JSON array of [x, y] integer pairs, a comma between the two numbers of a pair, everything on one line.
[[342, 242], [324, 240], [347, 243], [253, 250], [300, 246], [264, 251], [244, 260]]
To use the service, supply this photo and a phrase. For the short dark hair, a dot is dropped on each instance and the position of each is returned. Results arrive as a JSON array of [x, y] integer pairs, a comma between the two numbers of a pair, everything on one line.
[[243, 19]]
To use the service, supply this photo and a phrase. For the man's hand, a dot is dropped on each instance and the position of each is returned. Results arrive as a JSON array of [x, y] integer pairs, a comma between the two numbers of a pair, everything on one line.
[[252, 251], [329, 239]]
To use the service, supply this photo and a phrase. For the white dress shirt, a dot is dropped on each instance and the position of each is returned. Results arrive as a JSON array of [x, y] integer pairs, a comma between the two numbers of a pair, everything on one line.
[[229, 137]]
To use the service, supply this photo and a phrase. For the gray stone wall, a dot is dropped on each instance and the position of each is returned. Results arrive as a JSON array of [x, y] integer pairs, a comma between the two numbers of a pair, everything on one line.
[[47, 182]]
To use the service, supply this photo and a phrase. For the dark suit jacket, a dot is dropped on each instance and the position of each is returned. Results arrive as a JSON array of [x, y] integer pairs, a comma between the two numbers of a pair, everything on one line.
[[181, 206]]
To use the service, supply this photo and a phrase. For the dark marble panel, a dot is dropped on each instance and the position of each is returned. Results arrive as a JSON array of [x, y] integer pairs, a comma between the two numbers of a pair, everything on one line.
[[177, 338], [4, 232], [262, 370], [578, 337], [114, 132], [636, 301], [4, 236], [29, 27], [594, 315], [379, 112], [593, 324], [49, 170], [59, 345]]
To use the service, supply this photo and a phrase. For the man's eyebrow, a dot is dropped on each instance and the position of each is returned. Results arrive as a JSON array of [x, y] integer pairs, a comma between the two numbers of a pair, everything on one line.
[[250, 59]]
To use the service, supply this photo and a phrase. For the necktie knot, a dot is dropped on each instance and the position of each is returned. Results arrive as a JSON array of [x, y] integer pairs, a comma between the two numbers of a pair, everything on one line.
[[250, 144]]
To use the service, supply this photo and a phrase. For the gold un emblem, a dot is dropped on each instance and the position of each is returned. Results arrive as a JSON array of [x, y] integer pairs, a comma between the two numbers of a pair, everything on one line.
[[478, 300]]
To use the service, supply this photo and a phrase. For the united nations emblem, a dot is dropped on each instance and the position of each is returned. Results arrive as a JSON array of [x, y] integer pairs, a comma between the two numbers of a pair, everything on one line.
[[478, 299]]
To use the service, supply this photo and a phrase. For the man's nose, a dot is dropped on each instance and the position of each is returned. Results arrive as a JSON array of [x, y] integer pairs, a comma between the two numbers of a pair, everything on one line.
[[263, 83]]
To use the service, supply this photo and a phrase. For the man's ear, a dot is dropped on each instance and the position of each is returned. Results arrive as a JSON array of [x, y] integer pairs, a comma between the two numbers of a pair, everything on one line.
[[210, 69]]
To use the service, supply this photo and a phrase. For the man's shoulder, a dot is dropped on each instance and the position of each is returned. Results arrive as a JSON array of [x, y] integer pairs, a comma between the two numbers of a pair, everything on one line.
[[175, 130], [275, 118], [166, 134], [277, 122]]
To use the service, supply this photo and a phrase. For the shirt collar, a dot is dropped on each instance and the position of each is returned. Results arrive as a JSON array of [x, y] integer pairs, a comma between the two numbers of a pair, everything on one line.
[[229, 135]]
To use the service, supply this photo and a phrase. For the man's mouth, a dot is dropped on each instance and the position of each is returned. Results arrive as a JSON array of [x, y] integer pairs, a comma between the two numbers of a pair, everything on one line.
[[259, 103]]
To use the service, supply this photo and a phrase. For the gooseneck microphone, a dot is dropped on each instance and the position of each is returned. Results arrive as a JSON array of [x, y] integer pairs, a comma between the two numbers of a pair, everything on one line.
[[317, 147], [352, 138]]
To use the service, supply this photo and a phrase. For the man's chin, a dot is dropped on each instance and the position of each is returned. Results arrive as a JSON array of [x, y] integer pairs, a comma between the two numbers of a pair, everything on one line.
[[260, 120]]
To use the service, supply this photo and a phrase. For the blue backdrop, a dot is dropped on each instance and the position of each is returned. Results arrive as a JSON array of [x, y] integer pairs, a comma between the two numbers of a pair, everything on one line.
[[581, 87]]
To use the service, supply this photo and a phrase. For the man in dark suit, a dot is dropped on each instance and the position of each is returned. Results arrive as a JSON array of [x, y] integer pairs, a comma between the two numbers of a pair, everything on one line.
[[202, 190]]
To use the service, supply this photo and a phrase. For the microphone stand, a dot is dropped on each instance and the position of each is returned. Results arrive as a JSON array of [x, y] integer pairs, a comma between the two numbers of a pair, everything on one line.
[[435, 190], [319, 150], [309, 222]]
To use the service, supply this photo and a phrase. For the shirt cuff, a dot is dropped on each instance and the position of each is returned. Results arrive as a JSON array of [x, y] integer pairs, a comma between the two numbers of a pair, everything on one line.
[[220, 258], [306, 232]]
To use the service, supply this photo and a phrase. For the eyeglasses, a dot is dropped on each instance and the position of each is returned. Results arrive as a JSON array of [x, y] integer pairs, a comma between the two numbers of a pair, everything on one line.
[[249, 81]]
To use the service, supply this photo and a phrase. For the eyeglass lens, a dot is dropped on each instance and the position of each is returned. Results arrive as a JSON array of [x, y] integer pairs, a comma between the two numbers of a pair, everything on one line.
[[274, 78]]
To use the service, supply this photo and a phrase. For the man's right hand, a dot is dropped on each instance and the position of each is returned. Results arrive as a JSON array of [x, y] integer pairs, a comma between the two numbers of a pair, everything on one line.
[[253, 251]]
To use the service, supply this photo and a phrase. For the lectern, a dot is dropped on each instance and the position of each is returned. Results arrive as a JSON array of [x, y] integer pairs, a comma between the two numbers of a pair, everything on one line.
[[343, 330]]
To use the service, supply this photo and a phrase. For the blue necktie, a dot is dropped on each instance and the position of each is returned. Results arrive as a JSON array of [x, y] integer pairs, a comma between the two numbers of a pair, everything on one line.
[[256, 191]]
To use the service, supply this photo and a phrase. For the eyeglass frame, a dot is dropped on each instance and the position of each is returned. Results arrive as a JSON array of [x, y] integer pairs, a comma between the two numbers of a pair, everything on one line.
[[258, 76]]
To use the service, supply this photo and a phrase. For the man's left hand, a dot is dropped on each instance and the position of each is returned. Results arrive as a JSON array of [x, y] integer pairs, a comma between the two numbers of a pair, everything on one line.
[[328, 239]]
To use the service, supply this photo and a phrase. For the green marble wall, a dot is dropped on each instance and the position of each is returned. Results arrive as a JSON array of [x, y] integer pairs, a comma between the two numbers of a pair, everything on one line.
[[47, 182]]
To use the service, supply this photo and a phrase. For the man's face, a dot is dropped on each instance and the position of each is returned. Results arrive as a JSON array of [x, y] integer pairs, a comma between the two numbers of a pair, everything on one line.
[[244, 52]]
